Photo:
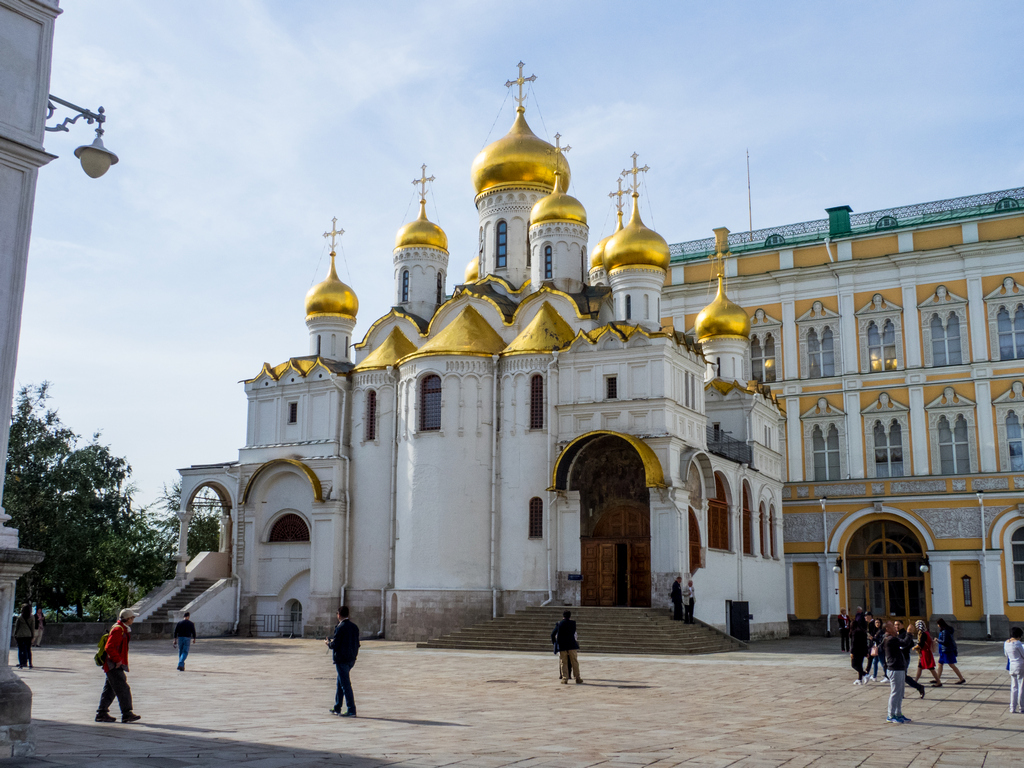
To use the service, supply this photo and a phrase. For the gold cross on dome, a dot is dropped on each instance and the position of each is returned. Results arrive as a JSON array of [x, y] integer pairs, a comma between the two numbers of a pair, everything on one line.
[[618, 194], [559, 149], [635, 183], [520, 81], [333, 234], [423, 180]]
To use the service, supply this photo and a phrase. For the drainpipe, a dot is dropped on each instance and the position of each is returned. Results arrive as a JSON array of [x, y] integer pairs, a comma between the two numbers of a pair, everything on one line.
[[828, 593], [348, 477], [494, 485], [984, 534], [392, 371], [552, 495]]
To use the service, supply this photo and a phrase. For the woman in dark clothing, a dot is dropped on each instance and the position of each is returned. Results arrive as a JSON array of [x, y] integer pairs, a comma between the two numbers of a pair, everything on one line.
[[858, 649], [23, 637], [947, 650], [877, 654]]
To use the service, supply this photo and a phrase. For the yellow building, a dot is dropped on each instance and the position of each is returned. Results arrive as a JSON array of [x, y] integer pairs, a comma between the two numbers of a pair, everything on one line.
[[895, 342]]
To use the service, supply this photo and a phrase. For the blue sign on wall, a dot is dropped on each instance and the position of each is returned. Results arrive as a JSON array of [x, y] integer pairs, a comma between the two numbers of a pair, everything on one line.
[[575, 577]]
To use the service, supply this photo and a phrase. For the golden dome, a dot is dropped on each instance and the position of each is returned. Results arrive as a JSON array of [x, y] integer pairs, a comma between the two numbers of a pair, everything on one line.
[[331, 297], [636, 245], [518, 157], [473, 270], [558, 206], [722, 317], [422, 231], [597, 255]]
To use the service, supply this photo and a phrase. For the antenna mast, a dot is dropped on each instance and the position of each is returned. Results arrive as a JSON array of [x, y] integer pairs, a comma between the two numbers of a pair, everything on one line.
[[750, 213]]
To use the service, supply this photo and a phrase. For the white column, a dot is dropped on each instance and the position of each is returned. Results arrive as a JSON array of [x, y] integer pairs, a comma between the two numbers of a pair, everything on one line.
[[184, 518], [986, 426], [790, 344], [848, 325], [794, 440], [918, 430], [977, 317], [911, 327], [854, 435]]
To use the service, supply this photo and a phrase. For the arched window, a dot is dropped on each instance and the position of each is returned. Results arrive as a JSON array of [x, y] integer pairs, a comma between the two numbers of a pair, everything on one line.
[[536, 518], [370, 427], [756, 359], [828, 355], [501, 245], [825, 447], [762, 523], [718, 517], [430, 403], [647, 307], [694, 530], [440, 287], [946, 340], [537, 402], [771, 527], [882, 346], [769, 358], [629, 307], [762, 359], [1015, 442], [295, 614], [748, 533], [548, 266], [1017, 544], [954, 452], [289, 527], [1011, 334], [888, 450], [821, 357], [405, 285]]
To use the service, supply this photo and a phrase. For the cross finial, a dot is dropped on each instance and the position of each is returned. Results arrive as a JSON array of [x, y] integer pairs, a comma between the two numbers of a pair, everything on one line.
[[635, 171], [520, 81], [333, 234], [618, 195], [423, 180]]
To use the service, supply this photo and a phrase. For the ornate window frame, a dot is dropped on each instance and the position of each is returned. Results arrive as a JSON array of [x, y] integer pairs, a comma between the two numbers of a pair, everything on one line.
[[1009, 294], [877, 311], [823, 414], [886, 410], [1011, 401], [818, 318], [951, 404], [763, 325], [943, 303]]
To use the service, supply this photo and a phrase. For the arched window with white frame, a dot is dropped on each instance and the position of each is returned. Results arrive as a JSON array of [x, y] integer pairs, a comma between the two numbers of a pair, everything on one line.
[[549, 266], [1017, 545], [825, 445], [946, 348], [430, 403], [1014, 443], [888, 449], [1010, 326], [405, 285], [501, 245], [954, 450]]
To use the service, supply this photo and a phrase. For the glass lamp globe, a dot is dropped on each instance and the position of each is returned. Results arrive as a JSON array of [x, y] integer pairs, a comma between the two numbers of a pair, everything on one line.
[[836, 569], [96, 159], [925, 569]]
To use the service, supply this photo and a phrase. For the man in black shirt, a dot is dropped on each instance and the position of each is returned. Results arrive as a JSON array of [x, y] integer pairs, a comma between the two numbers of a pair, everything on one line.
[[184, 636], [677, 599], [907, 643], [345, 644], [568, 647]]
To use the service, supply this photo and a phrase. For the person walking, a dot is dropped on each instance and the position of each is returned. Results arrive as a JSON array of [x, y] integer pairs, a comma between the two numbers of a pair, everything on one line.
[[184, 636], [876, 655], [23, 636], [843, 621], [40, 625], [858, 649], [906, 643], [947, 650], [677, 599], [115, 667], [896, 663], [925, 657], [345, 644], [690, 599], [1013, 649], [567, 644]]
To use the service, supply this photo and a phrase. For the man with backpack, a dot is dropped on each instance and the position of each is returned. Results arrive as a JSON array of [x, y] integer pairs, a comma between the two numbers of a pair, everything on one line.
[[113, 657], [567, 644]]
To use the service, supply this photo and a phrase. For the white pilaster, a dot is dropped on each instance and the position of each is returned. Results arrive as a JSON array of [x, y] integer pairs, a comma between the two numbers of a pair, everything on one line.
[[911, 323], [794, 440], [848, 325], [978, 319], [854, 435], [986, 426], [918, 430], [790, 345]]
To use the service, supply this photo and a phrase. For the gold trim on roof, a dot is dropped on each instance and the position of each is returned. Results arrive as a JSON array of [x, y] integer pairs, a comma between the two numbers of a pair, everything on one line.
[[300, 366], [393, 313], [314, 481], [467, 334], [546, 332], [392, 349], [653, 473]]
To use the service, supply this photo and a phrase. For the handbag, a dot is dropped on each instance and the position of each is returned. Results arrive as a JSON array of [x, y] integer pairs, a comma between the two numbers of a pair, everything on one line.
[[874, 650]]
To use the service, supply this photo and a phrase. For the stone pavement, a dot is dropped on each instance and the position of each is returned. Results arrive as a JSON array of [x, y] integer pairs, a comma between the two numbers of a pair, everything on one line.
[[263, 704]]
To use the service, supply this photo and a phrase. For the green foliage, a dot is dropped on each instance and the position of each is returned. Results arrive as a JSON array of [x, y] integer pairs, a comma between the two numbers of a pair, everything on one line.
[[204, 528], [74, 502]]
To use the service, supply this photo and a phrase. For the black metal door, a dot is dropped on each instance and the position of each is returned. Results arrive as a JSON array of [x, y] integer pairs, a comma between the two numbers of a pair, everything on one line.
[[739, 620]]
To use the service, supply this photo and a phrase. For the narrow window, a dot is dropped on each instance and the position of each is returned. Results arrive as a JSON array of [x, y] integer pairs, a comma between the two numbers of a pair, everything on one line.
[[537, 402], [771, 528], [334, 345], [825, 450], [1015, 442], [371, 416], [938, 342], [895, 450], [611, 388], [954, 356], [647, 307], [968, 597], [888, 450], [833, 452], [1017, 544], [318, 345], [440, 288], [501, 252], [629, 307], [686, 389], [813, 355], [828, 355], [748, 537], [536, 518], [874, 348], [762, 524], [405, 285], [769, 358], [756, 360], [954, 451], [718, 518], [548, 266], [293, 413], [1011, 335], [430, 403], [889, 345]]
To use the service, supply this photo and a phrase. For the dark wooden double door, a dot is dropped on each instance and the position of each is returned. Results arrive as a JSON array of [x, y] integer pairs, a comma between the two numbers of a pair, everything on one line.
[[616, 559]]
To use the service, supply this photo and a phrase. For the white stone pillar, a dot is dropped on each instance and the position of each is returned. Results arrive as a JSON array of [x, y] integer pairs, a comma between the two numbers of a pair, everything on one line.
[[918, 430], [854, 435], [848, 327], [986, 426], [911, 324], [977, 318], [184, 518], [790, 344], [794, 440]]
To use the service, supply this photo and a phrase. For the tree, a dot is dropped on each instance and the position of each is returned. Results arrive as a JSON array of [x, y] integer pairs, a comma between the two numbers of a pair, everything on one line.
[[74, 502], [204, 528]]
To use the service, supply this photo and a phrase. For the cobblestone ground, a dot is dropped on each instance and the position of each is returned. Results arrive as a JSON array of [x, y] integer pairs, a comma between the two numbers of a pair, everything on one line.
[[263, 703]]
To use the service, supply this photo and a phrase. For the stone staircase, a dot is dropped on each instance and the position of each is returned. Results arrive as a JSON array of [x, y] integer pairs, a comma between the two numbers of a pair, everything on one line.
[[600, 630], [194, 589]]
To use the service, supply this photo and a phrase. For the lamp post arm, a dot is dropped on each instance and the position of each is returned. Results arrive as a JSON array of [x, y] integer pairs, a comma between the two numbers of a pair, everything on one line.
[[90, 116]]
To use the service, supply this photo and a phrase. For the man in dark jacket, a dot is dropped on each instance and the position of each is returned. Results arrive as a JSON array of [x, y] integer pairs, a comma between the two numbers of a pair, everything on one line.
[[896, 651], [345, 644], [184, 636], [907, 643], [567, 645], [677, 599]]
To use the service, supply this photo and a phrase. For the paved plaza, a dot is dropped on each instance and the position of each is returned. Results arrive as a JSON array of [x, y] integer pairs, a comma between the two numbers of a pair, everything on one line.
[[263, 703]]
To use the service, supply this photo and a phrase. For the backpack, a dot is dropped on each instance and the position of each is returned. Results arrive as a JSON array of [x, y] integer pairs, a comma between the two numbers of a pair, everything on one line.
[[101, 653]]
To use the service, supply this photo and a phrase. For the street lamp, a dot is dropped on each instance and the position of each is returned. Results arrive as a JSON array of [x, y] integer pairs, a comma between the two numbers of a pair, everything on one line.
[[96, 159]]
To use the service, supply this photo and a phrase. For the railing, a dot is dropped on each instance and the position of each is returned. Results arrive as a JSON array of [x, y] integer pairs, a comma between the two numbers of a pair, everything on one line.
[[272, 624], [727, 447]]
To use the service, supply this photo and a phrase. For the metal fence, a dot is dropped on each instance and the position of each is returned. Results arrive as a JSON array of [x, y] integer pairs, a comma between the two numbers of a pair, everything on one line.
[[727, 447], [272, 624]]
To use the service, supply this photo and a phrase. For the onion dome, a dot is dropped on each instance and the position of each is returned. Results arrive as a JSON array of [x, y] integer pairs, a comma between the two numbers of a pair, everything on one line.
[[636, 245], [722, 317], [597, 255], [518, 157], [421, 232], [332, 297], [473, 270], [558, 206]]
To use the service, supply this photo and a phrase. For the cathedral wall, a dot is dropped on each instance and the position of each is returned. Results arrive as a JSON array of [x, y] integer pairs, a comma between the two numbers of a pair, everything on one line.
[[419, 615]]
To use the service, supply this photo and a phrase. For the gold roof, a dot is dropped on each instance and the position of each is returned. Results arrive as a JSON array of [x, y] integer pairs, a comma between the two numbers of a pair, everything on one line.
[[473, 270], [467, 334], [303, 366], [518, 157], [597, 255], [421, 232], [722, 318], [558, 206], [635, 245], [546, 332], [392, 349], [331, 297]]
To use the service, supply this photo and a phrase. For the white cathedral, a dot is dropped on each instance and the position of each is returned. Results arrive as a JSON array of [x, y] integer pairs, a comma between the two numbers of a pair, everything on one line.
[[540, 436]]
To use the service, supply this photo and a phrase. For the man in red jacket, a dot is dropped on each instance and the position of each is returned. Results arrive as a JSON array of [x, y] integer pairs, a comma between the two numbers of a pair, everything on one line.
[[115, 665]]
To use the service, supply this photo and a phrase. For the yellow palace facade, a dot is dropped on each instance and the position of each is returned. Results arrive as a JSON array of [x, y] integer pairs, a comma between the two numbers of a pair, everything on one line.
[[894, 340]]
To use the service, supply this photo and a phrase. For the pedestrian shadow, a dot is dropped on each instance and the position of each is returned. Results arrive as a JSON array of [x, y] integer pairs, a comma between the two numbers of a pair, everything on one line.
[[967, 727], [614, 685], [414, 722], [182, 728]]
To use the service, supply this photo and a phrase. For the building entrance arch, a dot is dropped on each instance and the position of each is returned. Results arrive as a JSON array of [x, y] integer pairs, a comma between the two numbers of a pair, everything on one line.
[[883, 571]]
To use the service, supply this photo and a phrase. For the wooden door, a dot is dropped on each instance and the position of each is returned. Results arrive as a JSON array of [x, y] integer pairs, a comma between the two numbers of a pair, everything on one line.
[[608, 573], [640, 573], [599, 572], [806, 591]]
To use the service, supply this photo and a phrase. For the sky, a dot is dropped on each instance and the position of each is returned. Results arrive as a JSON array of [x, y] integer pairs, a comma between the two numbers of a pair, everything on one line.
[[244, 127]]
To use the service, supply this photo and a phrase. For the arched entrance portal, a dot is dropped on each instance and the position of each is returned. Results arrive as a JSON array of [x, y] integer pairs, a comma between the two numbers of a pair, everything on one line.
[[615, 523], [883, 571]]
